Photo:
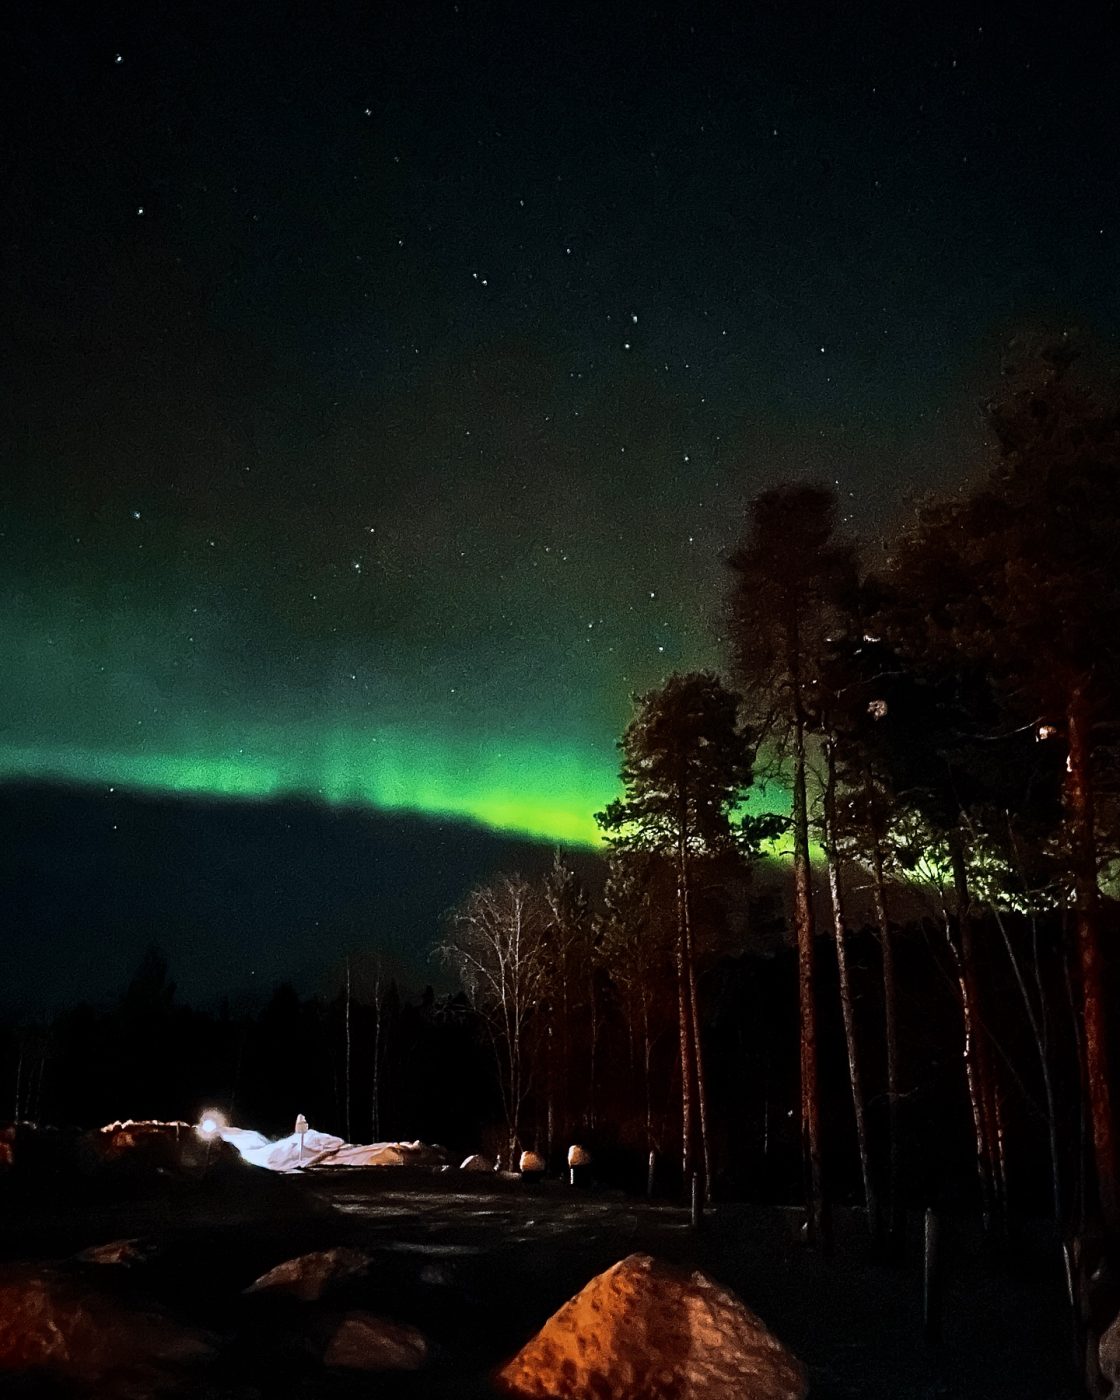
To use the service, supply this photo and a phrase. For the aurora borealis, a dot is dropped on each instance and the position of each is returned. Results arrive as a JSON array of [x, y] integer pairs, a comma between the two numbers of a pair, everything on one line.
[[385, 384]]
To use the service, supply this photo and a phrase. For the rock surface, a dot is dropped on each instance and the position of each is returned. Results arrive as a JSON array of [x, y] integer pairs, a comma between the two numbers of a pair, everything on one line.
[[364, 1342], [125, 1254], [531, 1164], [476, 1162], [1108, 1353], [55, 1320], [308, 1276], [644, 1330]]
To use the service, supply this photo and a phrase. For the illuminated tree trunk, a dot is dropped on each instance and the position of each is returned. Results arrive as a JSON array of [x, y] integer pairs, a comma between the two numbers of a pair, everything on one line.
[[593, 1013], [975, 1061], [806, 952], [894, 1221], [647, 1053], [697, 1044], [1087, 917], [847, 1008], [684, 1032], [346, 1116]]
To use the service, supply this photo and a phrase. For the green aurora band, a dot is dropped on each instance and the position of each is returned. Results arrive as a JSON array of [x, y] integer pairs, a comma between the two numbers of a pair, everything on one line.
[[134, 695], [521, 789]]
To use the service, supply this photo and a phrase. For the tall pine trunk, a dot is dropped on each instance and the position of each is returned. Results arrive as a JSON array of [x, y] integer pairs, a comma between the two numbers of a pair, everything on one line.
[[1087, 920], [684, 1032], [847, 1007], [346, 1115], [647, 1052], [593, 1049], [894, 1214], [975, 1060], [817, 1223], [697, 1044]]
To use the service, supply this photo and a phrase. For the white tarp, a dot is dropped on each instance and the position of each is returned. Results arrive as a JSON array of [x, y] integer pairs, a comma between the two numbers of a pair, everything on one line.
[[281, 1155], [324, 1150]]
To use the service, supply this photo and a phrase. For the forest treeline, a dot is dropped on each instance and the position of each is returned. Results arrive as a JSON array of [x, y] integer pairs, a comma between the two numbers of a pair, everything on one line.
[[897, 993], [944, 714]]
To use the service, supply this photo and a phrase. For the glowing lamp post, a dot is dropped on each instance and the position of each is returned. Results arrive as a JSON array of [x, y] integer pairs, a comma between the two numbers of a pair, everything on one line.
[[301, 1129]]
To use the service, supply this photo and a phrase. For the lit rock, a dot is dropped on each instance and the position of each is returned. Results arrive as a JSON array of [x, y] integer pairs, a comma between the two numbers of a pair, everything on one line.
[[532, 1164], [476, 1162], [52, 1320], [647, 1331], [578, 1156], [1108, 1353], [122, 1253], [308, 1276], [364, 1342]]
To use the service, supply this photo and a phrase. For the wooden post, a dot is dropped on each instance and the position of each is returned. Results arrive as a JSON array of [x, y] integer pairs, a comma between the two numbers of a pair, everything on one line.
[[697, 1201], [931, 1277]]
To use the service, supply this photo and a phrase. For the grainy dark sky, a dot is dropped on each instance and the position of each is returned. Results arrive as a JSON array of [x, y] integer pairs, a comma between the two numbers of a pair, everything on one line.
[[385, 382]]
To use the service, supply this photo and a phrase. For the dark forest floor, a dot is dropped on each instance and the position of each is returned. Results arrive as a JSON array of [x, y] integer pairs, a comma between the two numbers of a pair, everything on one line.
[[479, 1264]]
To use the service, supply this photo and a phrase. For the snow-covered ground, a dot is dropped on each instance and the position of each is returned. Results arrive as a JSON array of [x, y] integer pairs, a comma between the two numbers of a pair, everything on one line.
[[302, 1152]]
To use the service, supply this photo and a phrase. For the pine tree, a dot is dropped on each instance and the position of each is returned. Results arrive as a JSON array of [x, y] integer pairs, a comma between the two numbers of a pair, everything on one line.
[[687, 764], [787, 574]]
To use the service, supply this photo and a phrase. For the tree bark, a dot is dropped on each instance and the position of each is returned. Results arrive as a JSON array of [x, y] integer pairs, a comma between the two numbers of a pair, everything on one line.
[[683, 1026], [646, 1057], [817, 1225], [894, 1221], [593, 1013], [346, 1115], [1087, 916], [975, 1062], [697, 1046], [847, 1007]]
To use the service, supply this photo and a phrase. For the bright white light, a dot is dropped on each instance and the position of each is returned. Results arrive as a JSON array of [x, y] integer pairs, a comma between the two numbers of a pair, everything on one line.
[[210, 1125]]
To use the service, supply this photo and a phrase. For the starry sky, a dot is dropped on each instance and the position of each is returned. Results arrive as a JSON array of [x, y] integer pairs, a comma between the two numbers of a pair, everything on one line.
[[385, 382]]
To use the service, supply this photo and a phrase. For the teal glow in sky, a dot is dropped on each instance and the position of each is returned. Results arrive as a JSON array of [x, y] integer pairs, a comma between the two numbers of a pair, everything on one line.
[[383, 396], [140, 696], [522, 790]]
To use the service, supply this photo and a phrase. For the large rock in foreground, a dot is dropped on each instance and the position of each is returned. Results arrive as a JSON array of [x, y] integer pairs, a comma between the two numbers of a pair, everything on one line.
[[56, 1320], [647, 1331]]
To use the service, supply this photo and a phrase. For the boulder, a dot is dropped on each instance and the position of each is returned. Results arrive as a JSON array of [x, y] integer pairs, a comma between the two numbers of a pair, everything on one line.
[[364, 1342], [56, 1320], [645, 1330], [308, 1276], [476, 1162], [578, 1156], [1108, 1356], [531, 1165], [122, 1253]]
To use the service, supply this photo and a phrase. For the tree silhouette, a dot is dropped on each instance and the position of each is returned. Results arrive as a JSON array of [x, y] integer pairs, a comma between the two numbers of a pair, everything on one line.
[[1023, 573], [495, 943], [787, 575], [687, 764]]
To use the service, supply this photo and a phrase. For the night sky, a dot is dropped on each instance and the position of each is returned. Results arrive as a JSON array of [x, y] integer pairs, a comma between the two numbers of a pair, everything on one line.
[[385, 383]]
